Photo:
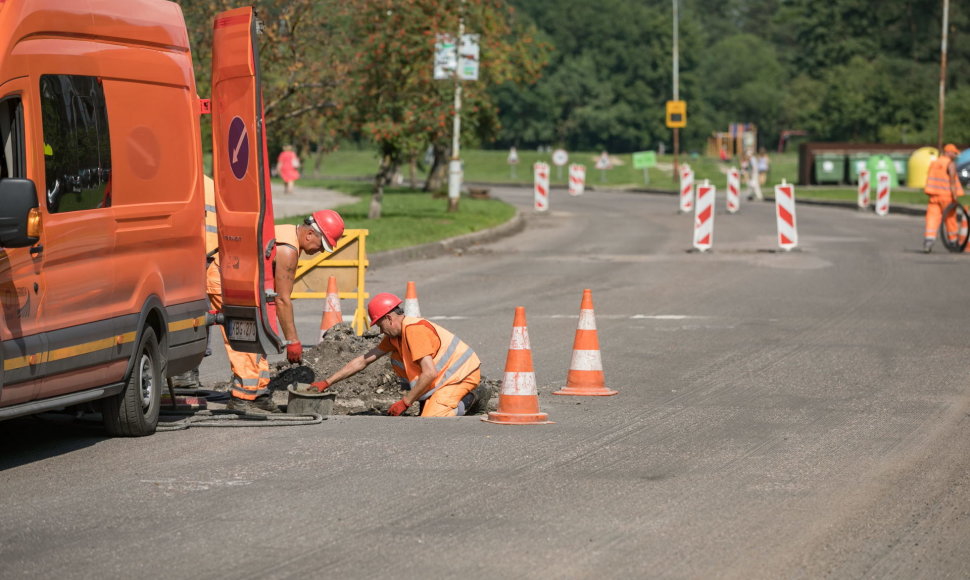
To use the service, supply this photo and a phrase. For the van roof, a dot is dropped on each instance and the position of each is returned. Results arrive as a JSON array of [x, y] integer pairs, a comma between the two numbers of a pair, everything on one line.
[[157, 23]]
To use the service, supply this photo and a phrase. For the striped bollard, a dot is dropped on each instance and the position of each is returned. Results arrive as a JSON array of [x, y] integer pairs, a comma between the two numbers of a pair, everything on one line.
[[686, 189], [577, 179], [704, 216], [785, 209], [541, 187], [882, 193], [733, 190], [863, 201]]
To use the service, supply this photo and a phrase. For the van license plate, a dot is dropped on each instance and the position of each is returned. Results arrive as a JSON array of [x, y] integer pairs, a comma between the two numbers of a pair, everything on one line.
[[242, 330]]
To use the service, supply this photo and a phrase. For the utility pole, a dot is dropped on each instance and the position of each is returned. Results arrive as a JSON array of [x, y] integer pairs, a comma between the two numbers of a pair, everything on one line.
[[676, 85], [454, 166], [939, 130]]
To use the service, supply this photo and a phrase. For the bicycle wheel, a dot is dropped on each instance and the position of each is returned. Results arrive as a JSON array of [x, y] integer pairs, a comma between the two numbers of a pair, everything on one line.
[[955, 241]]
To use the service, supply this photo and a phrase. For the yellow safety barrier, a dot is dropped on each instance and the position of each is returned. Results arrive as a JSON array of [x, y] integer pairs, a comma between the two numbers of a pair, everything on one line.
[[347, 263]]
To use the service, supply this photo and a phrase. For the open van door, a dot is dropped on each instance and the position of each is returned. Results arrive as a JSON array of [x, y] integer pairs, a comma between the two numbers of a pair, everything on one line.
[[244, 206]]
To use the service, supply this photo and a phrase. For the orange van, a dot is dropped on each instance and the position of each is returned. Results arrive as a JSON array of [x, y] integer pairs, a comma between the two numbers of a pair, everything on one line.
[[102, 250]]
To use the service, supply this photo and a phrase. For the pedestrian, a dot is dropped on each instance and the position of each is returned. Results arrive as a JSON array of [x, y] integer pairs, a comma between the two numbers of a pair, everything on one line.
[[442, 372], [764, 164], [752, 179], [287, 166], [943, 187], [249, 389]]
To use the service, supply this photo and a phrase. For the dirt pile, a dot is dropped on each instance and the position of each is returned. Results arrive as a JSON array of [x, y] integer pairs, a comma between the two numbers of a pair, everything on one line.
[[369, 392]]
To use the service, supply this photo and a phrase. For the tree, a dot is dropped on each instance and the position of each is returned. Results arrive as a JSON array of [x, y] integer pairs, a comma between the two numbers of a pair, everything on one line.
[[302, 66], [397, 102]]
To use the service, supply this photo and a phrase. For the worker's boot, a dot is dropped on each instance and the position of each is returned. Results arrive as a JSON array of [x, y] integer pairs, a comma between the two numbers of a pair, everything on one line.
[[927, 246], [262, 405], [482, 393]]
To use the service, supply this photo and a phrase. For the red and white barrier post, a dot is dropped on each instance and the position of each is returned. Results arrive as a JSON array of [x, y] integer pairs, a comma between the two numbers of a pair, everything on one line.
[[686, 189], [863, 201], [733, 190], [577, 179], [882, 193], [785, 209], [704, 216], [541, 185]]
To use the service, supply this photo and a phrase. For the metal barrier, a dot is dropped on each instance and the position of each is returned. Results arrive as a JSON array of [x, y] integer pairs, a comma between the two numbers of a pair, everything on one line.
[[348, 264]]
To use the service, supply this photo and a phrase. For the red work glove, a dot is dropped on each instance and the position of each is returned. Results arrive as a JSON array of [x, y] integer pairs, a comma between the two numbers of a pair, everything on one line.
[[320, 386], [398, 408], [294, 352]]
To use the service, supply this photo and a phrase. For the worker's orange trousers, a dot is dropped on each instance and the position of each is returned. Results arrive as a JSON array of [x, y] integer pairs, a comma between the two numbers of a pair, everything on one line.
[[250, 371], [444, 401], [934, 215]]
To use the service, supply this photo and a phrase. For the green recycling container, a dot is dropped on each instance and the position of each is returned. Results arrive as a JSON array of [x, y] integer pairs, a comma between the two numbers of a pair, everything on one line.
[[857, 162], [900, 161], [829, 167], [878, 163]]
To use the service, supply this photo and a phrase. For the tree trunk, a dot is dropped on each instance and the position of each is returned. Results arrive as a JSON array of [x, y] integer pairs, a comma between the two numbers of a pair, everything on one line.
[[439, 170], [377, 199]]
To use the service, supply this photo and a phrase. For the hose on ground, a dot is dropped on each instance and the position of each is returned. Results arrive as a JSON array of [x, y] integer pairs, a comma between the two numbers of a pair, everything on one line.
[[207, 418]]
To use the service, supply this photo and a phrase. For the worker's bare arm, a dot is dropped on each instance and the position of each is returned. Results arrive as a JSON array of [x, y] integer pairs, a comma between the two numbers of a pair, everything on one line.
[[356, 365], [286, 262], [428, 373]]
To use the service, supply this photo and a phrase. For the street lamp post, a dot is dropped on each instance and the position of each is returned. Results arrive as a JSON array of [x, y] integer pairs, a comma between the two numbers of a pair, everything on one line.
[[676, 85], [939, 130]]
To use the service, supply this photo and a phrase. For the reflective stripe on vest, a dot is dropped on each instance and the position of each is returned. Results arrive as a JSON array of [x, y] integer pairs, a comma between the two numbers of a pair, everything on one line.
[[454, 360], [938, 178]]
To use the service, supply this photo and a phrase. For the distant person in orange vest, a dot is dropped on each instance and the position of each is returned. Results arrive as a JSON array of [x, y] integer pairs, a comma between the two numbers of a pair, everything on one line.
[[249, 389], [943, 188], [442, 371], [287, 166]]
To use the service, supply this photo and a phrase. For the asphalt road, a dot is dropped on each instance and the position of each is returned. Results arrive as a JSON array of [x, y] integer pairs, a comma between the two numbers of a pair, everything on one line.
[[780, 415]]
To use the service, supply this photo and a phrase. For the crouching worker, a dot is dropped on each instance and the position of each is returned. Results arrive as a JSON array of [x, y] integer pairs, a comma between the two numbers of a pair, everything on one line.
[[443, 372]]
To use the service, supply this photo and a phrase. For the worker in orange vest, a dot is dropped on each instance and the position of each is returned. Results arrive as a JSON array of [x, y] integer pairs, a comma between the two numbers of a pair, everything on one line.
[[943, 187], [442, 372], [249, 389]]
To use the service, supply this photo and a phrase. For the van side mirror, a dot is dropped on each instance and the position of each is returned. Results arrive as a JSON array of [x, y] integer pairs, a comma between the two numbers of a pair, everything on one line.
[[17, 198]]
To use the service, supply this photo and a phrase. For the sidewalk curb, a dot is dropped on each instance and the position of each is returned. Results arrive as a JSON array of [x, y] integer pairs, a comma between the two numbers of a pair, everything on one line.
[[454, 245]]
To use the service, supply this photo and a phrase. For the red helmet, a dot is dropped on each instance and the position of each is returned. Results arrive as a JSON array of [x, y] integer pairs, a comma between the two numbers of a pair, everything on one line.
[[380, 305], [329, 225]]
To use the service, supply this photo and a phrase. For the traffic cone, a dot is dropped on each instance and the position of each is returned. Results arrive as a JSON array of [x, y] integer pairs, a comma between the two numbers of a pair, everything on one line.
[[411, 307], [518, 401], [331, 310], [585, 375]]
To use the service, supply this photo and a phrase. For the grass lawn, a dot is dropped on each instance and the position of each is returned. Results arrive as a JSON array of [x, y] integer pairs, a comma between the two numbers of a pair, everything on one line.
[[408, 217]]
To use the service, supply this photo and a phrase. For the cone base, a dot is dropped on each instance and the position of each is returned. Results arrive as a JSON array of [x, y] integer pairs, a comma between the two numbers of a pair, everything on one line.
[[585, 391], [517, 418]]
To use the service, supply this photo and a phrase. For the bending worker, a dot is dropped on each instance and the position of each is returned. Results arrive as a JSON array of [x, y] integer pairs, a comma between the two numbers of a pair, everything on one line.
[[250, 371], [943, 187], [443, 371]]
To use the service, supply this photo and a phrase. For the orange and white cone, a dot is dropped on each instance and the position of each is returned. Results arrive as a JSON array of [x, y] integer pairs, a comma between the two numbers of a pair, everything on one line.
[[518, 400], [585, 375], [331, 310], [411, 307]]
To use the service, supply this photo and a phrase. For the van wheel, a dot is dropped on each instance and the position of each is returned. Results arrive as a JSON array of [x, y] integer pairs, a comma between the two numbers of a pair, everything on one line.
[[134, 411]]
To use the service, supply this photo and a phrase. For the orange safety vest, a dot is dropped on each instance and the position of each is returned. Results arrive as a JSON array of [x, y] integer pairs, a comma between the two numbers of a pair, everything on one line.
[[938, 178], [454, 360]]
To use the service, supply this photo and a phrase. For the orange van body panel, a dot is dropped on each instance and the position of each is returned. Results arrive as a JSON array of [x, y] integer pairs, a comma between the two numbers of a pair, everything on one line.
[[85, 294]]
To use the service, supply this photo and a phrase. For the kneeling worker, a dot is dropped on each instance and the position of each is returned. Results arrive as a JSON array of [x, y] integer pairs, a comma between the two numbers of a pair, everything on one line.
[[442, 370]]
